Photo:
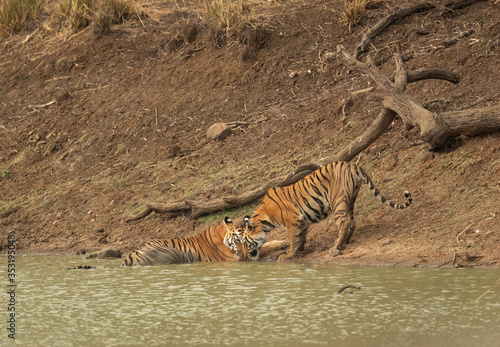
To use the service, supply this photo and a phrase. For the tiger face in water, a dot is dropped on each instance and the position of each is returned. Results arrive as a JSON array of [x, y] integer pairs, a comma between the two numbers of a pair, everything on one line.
[[331, 190]]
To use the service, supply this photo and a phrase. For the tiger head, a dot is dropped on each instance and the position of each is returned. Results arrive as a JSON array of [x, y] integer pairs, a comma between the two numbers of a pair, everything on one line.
[[233, 238], [252, 239]]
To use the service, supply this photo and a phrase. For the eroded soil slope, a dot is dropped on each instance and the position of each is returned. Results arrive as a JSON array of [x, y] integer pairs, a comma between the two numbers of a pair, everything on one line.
[[91, 126]]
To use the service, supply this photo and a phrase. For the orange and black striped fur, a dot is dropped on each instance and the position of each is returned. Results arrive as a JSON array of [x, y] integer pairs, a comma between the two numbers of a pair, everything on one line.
[[214, 244], [330, 190]]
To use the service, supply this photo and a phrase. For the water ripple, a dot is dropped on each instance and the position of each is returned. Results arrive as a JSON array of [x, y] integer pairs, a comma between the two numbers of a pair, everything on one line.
[[264, 304]]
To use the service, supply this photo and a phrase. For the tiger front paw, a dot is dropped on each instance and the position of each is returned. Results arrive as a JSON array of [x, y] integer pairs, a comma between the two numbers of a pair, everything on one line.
[[335, 252]]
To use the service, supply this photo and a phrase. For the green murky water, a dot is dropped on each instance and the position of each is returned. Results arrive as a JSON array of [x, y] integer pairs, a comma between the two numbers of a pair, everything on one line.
[[259, 304]]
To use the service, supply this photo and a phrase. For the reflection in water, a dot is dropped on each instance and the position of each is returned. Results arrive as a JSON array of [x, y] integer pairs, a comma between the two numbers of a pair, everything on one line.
[[260, 304]]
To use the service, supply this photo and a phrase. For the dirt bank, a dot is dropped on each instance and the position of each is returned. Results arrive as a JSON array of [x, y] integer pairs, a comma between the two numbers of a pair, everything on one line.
[[91, 126]]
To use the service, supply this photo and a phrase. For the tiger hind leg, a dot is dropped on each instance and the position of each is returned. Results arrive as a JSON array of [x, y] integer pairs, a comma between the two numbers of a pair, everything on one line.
[[351, 229], [350, 216], [345, 222]]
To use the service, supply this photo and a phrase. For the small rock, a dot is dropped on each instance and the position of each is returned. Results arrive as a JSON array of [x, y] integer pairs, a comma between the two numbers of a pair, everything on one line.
[[218, 131], [422, 32], [293, 74]]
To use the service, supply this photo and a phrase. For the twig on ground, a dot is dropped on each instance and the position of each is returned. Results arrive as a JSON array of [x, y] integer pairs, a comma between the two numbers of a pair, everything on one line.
[[244, 75], [366, 90], [463, 232], [456, 38], [43, 105], [396, 263]]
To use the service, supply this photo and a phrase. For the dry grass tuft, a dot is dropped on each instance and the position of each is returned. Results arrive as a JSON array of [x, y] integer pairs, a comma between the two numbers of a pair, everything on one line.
[[189, 31], [230, 15], [216, 35], [102, 19], [233, 19], [354, 10], [14, 13], [101, 13], [252, 40], [121, 10], [77, 13], [186, 33]]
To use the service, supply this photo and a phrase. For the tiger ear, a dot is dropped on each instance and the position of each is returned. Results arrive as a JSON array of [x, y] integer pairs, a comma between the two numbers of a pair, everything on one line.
[[227, 221], [247, 220]]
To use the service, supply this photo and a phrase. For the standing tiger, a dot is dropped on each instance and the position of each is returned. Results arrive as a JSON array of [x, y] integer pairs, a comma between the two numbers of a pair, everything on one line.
[[330, 190], [214, 244]]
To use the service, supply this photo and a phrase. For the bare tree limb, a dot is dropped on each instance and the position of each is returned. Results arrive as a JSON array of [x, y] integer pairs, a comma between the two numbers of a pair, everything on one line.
[[384, 119], [431, 128], [431, 73], [385, 22], [472, 121], [435, 129], [404, 12], [194, 209]]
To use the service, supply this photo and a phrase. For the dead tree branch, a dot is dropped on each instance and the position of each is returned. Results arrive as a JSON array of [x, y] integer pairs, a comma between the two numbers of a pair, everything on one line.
[[402, 13], [435, 129], [196, 209], [386, 116], [385, 22]]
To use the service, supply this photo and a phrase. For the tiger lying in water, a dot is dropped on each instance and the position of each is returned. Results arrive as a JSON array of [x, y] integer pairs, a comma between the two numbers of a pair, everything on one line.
[[330, 190], [214, 244]]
